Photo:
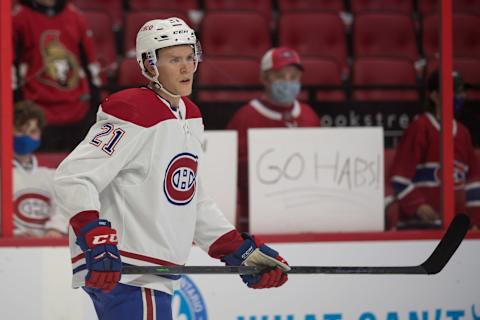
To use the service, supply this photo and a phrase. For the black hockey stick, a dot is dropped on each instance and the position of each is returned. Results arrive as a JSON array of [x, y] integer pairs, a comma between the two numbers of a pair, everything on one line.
[[433, 265]]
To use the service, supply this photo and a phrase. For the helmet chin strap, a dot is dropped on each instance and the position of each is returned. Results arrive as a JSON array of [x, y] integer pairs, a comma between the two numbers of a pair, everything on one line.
[[157, 83]]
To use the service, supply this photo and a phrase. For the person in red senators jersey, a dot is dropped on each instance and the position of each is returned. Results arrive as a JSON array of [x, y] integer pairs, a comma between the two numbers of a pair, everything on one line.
[[281, 71], [35, 212], [133, 192], [51, 39], [416, 166]]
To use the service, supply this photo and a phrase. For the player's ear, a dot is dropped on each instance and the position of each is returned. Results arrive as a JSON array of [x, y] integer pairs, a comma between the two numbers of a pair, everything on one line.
[[148, 67]]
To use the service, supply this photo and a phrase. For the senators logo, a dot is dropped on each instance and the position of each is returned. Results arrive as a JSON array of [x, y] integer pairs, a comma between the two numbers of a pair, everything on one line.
[[60, 66], [180, 179]]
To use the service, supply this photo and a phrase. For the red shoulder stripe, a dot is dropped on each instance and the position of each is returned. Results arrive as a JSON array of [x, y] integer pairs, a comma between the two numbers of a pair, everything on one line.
[[140, 106]]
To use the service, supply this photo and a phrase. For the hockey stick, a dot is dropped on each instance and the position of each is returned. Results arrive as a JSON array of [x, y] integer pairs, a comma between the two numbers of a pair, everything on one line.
[[433, 265]]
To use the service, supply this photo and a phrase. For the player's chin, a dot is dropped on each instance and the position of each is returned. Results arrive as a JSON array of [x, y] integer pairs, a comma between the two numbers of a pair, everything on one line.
[[185, 89]]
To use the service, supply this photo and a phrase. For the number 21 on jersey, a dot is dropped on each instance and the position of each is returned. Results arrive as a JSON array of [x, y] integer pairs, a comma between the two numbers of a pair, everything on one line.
[[109, 134]]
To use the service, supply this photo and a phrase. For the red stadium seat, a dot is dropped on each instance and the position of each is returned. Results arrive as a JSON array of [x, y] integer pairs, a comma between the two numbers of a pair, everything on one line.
[[261, 6], [384, 71], [320, 72], [466, 36], [427, 7], [135, 20], [101, 25], [383, 34], [218, 71], [113, 7], [430, 36], [324, 5], [314, 34], [398, 6], [129, 74], [241, 34], [466, 6], [178, 5]]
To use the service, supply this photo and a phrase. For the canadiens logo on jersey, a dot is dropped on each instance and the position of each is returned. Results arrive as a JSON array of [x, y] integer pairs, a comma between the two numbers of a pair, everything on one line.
[[60, 67], [180, 179], [460, 171], [32, 208]]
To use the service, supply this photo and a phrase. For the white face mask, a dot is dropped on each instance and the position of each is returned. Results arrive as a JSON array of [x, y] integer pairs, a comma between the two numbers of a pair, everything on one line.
[[285, 92]]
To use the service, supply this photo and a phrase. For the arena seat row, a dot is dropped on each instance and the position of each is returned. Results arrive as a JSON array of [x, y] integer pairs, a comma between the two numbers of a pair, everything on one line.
[[117, 7], [384, 72], [248, 34], [379, 40]]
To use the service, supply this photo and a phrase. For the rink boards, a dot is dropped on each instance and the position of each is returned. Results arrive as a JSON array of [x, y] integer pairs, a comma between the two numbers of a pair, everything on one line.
[[40, 278]]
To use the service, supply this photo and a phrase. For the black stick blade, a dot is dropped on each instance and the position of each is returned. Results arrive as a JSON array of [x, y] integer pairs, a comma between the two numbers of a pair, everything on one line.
[[448, 245]]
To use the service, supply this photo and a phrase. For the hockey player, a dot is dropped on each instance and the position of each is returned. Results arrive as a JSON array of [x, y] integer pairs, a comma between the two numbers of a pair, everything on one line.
[[280, 74], [35, 211], [51, 40], [133, 189], [416, 166]]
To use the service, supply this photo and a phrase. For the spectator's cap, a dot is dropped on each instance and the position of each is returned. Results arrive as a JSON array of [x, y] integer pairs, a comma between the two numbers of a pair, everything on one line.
[[277, 58], [434, 81]]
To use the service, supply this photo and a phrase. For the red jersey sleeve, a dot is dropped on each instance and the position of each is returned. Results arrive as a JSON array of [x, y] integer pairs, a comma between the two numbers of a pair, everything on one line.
[[409, 154]]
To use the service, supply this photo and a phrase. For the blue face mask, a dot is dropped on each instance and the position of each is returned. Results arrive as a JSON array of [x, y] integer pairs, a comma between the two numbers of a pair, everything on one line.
[[285, 92], [23, 145], [458, 103]]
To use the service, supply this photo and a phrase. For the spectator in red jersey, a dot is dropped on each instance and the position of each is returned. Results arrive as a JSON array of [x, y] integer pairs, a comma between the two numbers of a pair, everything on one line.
[[416, 166], [280, 74], [35, 210], [51, 41]]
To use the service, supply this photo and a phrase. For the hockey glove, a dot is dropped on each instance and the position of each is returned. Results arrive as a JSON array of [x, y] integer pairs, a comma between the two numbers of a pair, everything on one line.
[[99, 244], [253, 253]]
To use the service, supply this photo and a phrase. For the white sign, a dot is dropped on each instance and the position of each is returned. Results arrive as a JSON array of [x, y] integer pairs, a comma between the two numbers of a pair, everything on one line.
[[220, 170], [315, 180]]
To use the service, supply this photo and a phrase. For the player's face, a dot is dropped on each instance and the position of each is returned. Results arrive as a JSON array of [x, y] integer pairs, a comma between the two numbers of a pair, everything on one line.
[[30, 128], [176, 66]]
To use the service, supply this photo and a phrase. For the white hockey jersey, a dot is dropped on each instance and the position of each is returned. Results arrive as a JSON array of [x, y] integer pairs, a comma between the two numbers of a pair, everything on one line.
[[139, 168], [34, 209]]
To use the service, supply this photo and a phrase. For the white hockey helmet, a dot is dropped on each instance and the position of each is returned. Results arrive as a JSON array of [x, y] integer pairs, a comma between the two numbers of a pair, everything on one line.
[[163, 33]]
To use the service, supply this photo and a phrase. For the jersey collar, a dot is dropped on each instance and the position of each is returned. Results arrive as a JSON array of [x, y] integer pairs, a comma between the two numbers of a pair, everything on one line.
[[272, 114], [436, 124], [29, 168]]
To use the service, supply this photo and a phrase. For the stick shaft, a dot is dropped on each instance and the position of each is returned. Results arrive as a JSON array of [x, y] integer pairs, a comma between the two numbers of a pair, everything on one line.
[[253, 270], [434, 264]]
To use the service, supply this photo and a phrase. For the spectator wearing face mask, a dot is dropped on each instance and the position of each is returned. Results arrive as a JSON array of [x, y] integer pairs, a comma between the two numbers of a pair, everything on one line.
[[35, 212], [278, 107], [416, 166]]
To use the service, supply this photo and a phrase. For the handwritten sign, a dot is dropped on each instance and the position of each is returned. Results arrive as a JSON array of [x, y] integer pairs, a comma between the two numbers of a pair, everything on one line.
[[219, 171], [315, 180]]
